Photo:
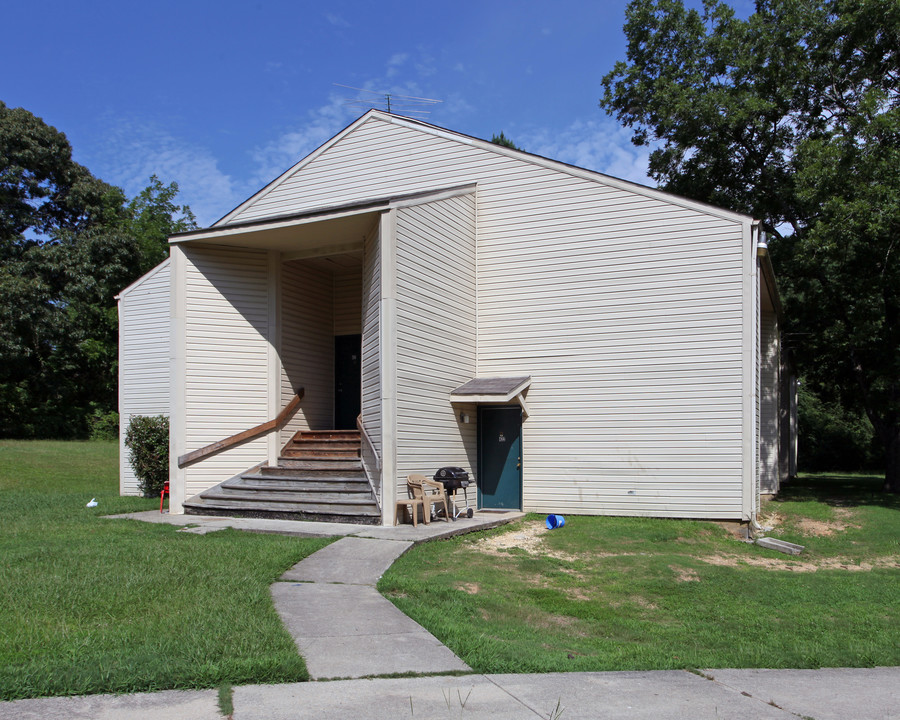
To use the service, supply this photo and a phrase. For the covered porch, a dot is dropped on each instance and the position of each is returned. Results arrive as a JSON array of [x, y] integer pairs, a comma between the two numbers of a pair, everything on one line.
[[322, 301]]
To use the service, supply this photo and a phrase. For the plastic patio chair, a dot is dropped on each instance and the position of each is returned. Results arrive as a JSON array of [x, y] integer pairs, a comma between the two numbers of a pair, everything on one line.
[[419, 485]]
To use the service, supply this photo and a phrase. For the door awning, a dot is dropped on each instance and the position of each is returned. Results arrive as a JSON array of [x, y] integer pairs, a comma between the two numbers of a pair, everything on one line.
[[494, 391]]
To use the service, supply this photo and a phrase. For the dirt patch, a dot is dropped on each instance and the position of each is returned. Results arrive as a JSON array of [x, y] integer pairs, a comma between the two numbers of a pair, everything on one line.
[[735, 529], [470, 588], [575, 574], [685, 574], [770, 519], [578, 594], [560, 621], [528, 537], [635, 600], [827, 528], [820, 528], [644, 602], [803, 565]]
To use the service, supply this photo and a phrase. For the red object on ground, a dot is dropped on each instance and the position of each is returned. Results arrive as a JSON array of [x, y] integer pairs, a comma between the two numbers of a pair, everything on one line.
[[165, 491]]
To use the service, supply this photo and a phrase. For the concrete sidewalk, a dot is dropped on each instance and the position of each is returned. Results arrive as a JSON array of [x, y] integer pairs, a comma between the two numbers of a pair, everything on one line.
[[203, 524], [833, 694], [342, 625]]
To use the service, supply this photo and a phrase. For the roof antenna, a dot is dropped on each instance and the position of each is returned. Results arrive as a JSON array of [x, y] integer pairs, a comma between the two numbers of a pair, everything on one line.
[[409, 105]]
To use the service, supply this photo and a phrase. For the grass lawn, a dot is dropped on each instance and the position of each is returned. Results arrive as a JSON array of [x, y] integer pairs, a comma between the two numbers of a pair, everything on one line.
[[90, 605], [630, 594]]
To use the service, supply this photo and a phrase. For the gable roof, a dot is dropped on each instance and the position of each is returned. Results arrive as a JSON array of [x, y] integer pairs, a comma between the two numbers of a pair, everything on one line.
[[142, 279], [520, 155]]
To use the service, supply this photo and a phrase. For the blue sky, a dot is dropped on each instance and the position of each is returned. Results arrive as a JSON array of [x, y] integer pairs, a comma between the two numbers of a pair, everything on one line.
[[222, 97]]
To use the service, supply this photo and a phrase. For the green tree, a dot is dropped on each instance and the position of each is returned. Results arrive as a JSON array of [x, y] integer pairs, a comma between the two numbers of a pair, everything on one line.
[[791, 116], [153, 216], [42, 190], [501, 139], [68, 244]]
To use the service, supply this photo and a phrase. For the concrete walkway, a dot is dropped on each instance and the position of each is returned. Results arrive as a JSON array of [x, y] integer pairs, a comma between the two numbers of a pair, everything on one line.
[[202, 524], [833, 694], [342, 625]]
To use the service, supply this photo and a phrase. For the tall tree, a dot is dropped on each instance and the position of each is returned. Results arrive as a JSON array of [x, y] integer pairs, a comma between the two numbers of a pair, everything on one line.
[[791, 116], [152, 217], [42, 190], [68, 243]]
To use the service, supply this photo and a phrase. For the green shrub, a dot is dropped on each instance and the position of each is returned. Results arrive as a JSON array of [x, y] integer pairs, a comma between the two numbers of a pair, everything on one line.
[[104, 425], [147, 438], [832, 437]]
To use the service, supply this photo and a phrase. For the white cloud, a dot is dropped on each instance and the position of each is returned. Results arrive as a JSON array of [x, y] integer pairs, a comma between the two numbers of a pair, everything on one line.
[[131, 152], [344, 105], [336, 20], [395, 62], [599, 145], [319, 125]]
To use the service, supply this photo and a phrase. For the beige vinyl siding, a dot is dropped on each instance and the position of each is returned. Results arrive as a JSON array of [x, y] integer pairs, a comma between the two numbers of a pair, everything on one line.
[[371, 342], [348, 303], [307, 346], [226, 358], [379, 159], [629, 321], [143, 359], [624, 305], [769, 404], [436, 329]]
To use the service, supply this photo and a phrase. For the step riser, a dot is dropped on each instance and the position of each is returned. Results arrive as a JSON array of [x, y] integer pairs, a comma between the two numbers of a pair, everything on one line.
[[321, 508], [336, 499], [317, 435], [304, 516], [330, 465], [302, 490], [321, 445], [320, 454], [300, 483]]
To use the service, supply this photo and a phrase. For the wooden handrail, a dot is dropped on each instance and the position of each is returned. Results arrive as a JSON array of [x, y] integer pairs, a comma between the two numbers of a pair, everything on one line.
[[362, 431], [245, 436]]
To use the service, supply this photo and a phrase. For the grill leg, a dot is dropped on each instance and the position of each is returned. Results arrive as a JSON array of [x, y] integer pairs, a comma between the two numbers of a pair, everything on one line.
[[468, 509]]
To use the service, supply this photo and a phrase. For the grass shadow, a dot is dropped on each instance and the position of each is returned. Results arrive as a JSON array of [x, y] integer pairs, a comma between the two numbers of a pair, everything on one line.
[[839, 490]]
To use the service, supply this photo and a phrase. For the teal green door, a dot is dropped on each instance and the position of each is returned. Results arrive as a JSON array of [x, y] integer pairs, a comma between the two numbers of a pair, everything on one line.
[[500, 458]]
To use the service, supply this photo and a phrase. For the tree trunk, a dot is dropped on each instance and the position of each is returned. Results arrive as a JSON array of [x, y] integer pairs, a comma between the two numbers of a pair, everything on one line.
[[892, 464]]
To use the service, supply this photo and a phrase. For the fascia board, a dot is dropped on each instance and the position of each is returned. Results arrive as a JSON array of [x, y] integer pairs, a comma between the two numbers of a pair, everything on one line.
[[324, 214], [294, 168], [142, 279], [214, 232]]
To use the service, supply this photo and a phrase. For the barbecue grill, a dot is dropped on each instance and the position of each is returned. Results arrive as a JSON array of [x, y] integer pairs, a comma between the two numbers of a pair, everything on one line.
[[453, 479]]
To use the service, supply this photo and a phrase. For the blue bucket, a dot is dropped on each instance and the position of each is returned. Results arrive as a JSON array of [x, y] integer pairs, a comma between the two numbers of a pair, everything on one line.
[[555, 521]]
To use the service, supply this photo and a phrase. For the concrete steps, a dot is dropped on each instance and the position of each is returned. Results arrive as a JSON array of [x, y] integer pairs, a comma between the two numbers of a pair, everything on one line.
[[319, 477]]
